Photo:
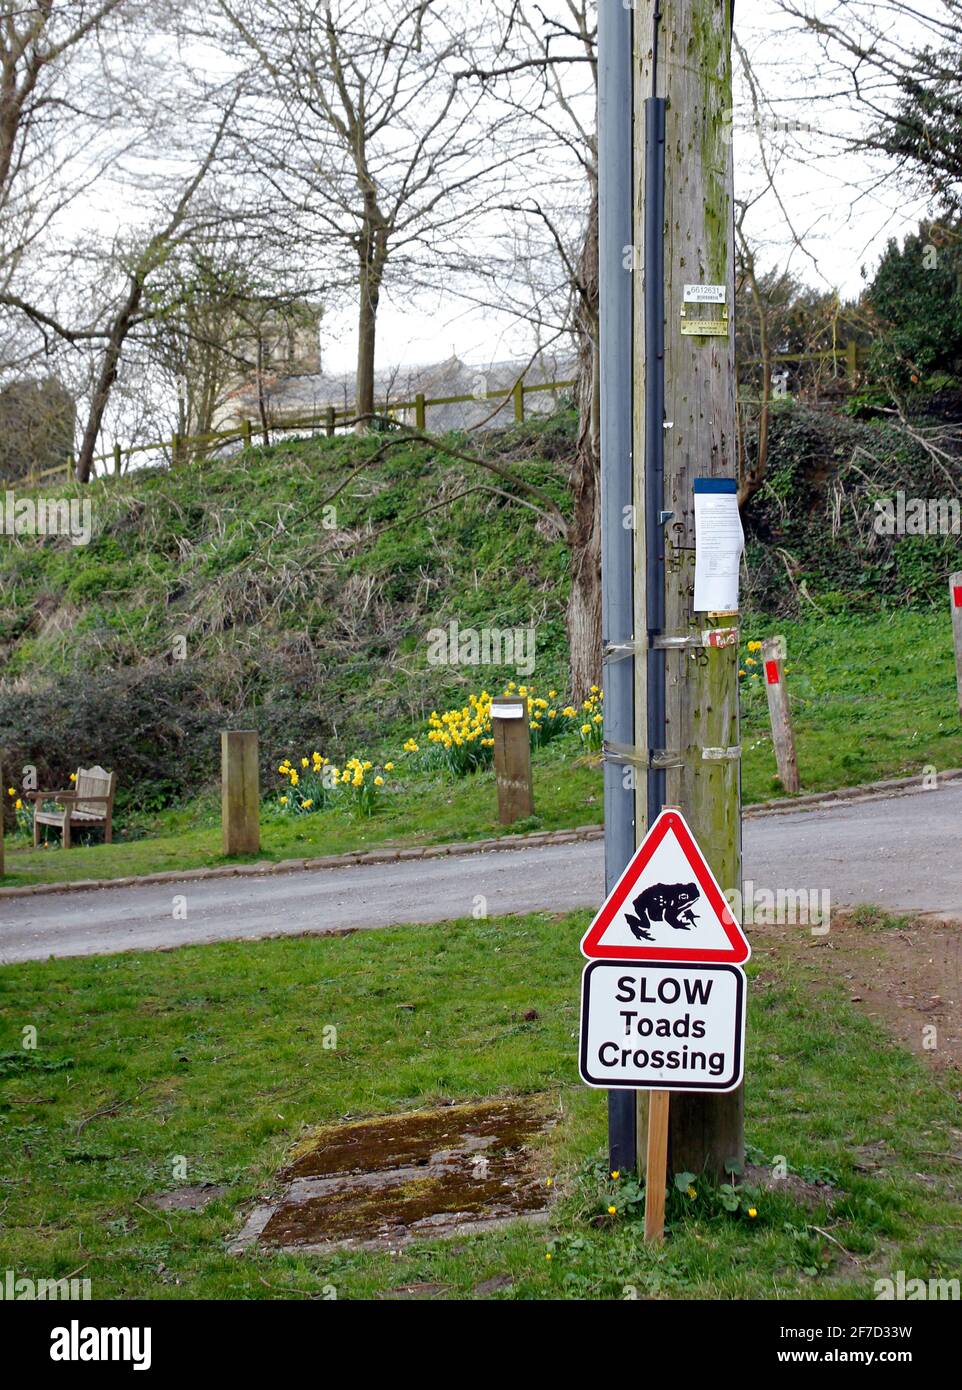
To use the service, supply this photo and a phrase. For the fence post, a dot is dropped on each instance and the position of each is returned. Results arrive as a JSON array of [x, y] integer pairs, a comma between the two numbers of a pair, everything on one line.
[[240, 792], [175, 443], [71, 468], [329, 420], [248, 434], [512, 758], [420, 412], [783, 736], [851, 360], [518, 394], [117, 460], [955, 592]]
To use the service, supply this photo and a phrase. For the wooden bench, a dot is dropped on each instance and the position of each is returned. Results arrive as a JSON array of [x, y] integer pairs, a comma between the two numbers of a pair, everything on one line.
[[90, 802]]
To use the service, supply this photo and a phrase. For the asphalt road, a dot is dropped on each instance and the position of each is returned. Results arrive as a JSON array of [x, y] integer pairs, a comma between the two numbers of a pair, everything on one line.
[[900, 853]]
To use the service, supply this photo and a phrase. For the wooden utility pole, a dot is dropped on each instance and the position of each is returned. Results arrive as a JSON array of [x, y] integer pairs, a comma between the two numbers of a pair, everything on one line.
[[955, 599], [779, 711], [689, 65]]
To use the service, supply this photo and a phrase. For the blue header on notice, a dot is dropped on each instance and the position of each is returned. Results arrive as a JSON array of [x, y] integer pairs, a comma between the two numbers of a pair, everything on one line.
[[715, 485]]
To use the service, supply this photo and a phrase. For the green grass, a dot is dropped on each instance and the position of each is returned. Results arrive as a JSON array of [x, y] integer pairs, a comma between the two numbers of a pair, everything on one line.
[[433, 810], [214, 1054], [871, 698]]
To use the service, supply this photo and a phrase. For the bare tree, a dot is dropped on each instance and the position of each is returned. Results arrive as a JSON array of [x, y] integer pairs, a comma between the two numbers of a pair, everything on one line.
[[900, 64], [543, 66], [368, 139]]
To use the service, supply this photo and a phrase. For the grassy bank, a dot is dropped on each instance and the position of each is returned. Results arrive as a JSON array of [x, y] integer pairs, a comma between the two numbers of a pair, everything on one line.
[[214, 1054], [872, 698]]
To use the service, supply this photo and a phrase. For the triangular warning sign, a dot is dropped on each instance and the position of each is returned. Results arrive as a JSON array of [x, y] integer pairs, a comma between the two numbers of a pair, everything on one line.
[[667, 905]]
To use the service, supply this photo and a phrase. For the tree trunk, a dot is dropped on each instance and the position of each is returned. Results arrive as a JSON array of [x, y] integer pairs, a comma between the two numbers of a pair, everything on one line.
[[372, 258], [584, 533], [108, 375]]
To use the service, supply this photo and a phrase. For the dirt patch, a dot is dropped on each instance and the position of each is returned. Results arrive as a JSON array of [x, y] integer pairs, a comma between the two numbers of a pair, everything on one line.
[[402, 1141], [907, 976], [809, 1194], [381, 1182]]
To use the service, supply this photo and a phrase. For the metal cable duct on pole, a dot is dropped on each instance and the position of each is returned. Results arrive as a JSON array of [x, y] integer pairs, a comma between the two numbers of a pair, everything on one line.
[[615, 182], [655, 516]]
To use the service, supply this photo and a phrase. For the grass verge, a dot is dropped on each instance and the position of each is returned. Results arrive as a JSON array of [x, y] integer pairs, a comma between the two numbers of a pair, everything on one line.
[[212, 1056]]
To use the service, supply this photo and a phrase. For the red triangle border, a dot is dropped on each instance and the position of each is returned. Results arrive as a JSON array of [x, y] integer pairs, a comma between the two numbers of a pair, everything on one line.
[[667, 821]]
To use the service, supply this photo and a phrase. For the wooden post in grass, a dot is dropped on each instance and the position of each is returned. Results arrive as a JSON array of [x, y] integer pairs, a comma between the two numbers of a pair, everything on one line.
[[420, 412], [248, 434], [329, 422], [512, 758], [955, 593], [518, 394], [783, 735], [240, 792], [117, 460], [656, 1166]]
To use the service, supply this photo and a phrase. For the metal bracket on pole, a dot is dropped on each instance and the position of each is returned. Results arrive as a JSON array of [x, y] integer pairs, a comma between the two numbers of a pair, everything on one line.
[[664, 757], [641, 757], [621, 651], [713, 638]]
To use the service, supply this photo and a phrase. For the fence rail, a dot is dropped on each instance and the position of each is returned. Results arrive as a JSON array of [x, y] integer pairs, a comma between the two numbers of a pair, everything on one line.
[[332, 416], [327, 420]]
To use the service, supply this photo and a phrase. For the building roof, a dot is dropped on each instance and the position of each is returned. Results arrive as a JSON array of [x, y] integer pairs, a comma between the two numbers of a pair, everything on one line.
[[310, 394]]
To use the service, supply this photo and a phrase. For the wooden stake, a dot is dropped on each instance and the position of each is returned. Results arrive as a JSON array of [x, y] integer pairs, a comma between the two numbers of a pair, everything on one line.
[[656, 1168], [783, 735], [512, 758], [240, 792], [955, 597]]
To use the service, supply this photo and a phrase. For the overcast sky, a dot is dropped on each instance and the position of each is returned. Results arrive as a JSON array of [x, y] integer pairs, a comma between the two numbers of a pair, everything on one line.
[[842, 209]]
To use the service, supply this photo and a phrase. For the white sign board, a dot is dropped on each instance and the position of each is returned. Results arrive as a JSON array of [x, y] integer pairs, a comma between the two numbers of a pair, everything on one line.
[[507, 711], [705, 294], [719, 542], [662, 1027]]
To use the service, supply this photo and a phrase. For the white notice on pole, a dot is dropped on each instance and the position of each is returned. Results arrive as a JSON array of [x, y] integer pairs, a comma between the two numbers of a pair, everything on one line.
[[719, 542]]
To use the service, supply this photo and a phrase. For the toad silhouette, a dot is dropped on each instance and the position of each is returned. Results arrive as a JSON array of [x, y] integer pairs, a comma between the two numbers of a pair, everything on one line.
[[669, 903]]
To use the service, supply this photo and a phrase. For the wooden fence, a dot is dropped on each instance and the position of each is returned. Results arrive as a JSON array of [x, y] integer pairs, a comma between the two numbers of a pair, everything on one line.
[[331, 417], [327, 421]]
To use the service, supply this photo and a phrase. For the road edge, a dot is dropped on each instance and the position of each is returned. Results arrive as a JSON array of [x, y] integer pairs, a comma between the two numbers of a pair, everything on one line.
[[871, 791]]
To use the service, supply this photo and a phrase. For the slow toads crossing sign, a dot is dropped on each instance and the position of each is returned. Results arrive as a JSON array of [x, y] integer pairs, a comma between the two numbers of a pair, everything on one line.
[[662, 1026], [663, 995]]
